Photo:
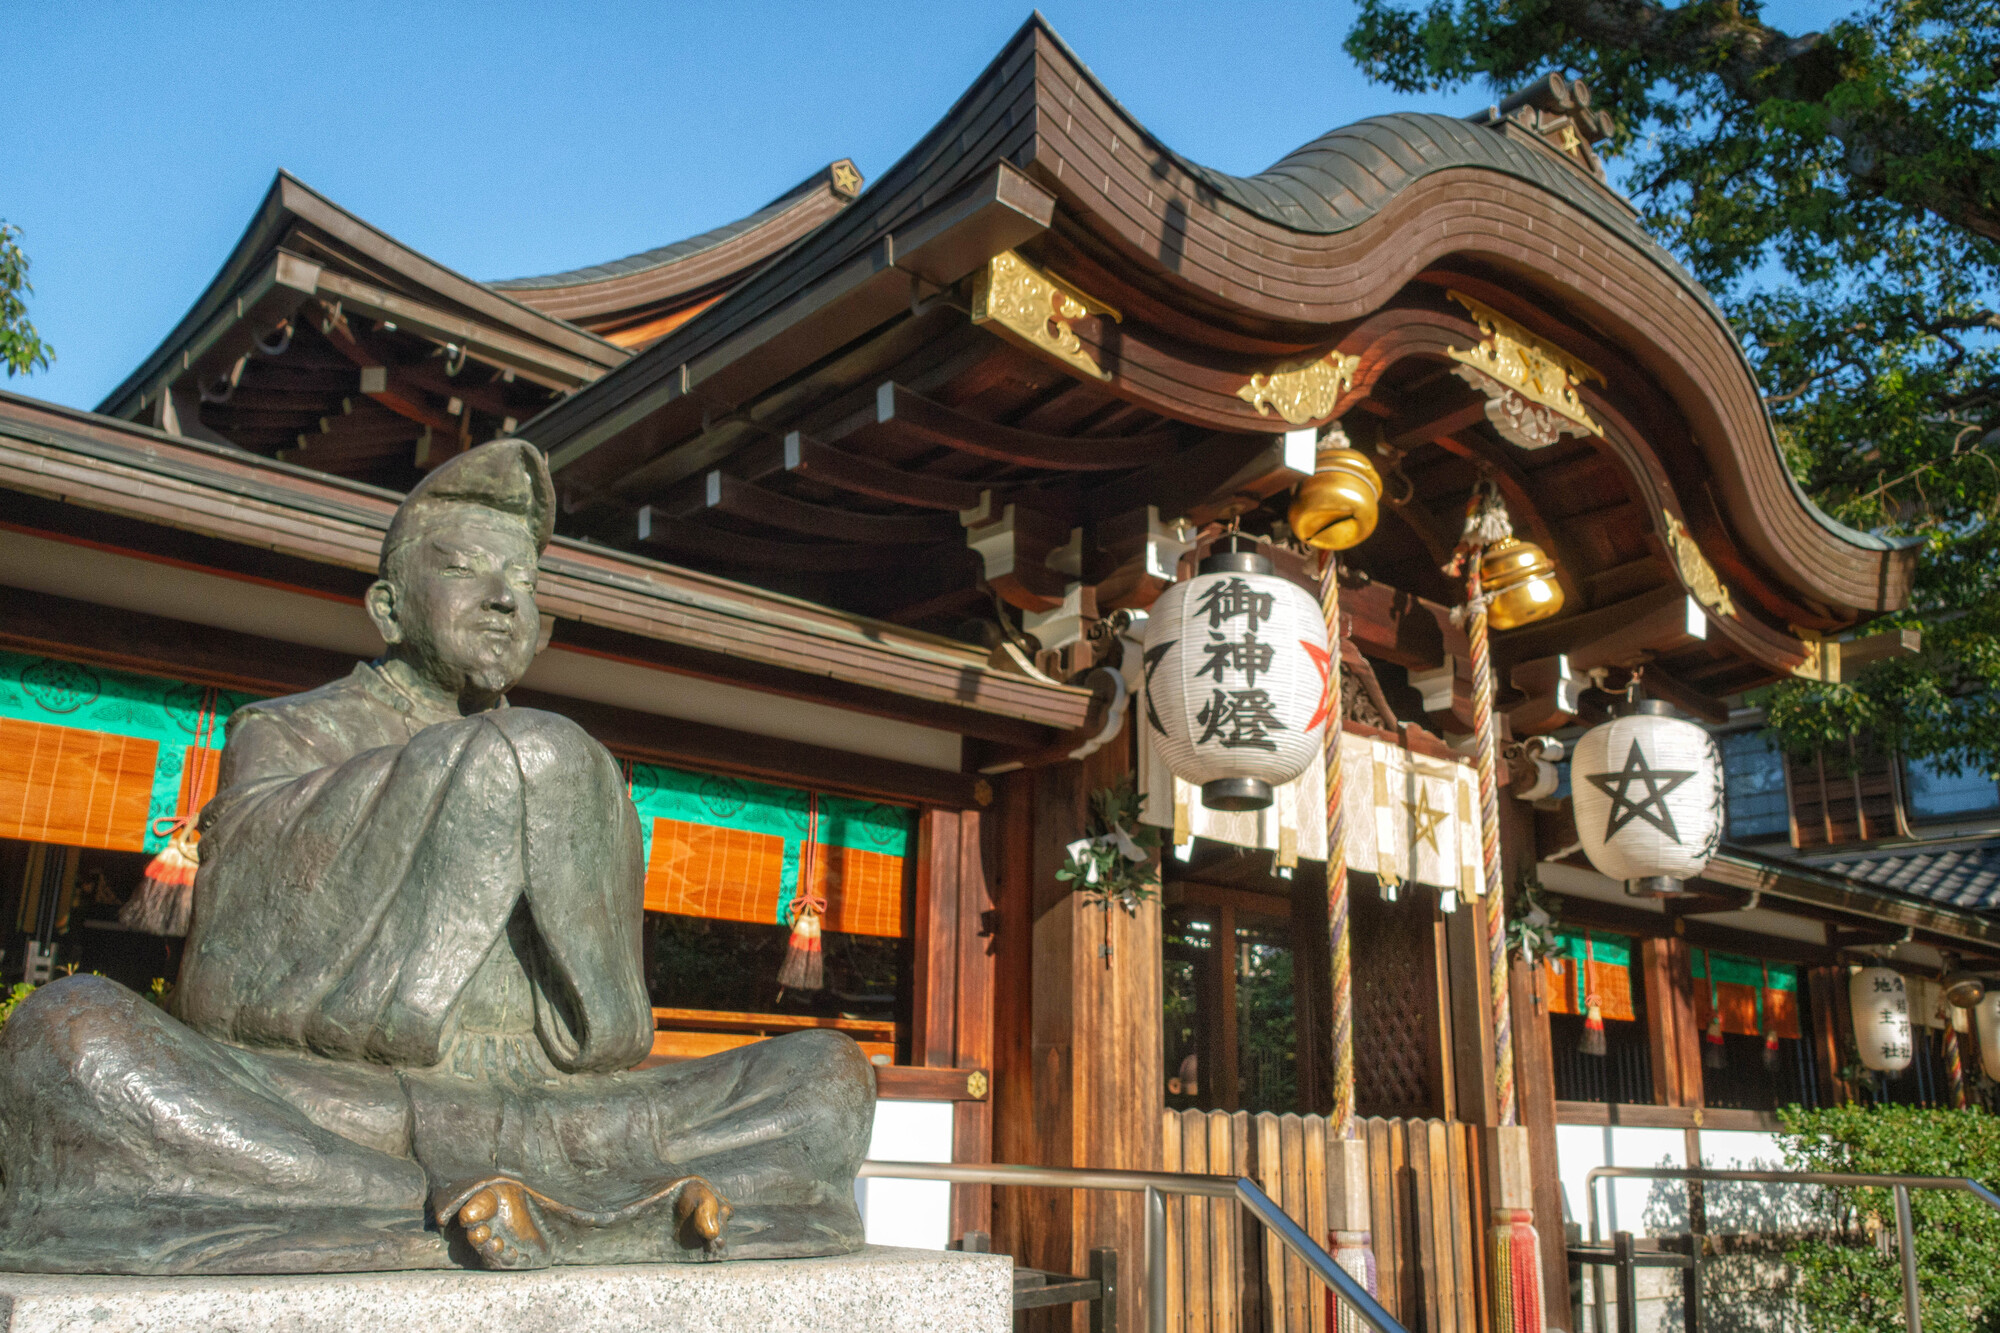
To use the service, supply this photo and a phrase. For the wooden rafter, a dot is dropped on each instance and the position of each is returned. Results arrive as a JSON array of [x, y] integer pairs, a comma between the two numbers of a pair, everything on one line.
[[903, 411], [687, 537], [725, 494], [813, 459]]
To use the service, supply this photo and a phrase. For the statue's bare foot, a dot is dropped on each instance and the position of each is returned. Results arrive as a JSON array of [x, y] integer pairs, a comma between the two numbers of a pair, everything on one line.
[[500, 1226], [701, 1213]]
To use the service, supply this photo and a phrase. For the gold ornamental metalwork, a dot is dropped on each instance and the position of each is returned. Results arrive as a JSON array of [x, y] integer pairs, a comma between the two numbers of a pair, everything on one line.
[[975, 1084], [1304, 392], [1697, 574], [1820, 655], [1530, 387], [1038, 308], [846, 178]]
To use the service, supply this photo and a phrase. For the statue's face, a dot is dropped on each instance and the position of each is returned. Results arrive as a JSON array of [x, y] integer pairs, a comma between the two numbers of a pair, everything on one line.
[[461, 604]]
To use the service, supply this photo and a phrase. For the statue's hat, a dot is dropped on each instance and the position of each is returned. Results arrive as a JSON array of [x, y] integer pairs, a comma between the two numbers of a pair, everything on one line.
[[507, 476]]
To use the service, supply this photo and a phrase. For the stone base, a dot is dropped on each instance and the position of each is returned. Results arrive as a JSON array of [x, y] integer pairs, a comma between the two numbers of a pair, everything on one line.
[[904, 1291]]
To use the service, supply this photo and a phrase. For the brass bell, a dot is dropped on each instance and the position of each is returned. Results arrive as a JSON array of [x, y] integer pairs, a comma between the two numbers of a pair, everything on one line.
[[1519, 579], [1336, 507]]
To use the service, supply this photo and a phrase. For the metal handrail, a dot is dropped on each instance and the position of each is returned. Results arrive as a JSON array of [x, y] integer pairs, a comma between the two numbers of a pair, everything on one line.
[[1155, 1185], [1902, 1185]]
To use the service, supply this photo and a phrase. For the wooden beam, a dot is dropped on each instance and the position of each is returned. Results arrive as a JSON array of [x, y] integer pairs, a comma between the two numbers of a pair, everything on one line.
[[536, 361], [1433, 427], [725, 494], [1223, 472], [373, 376], [1657, 682], [1602, 636], [688, 538], [907, 413], [804, 456], [908, 1084]]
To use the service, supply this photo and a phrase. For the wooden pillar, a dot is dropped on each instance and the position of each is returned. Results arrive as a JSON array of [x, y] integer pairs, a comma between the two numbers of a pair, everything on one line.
[[1671, 1031], [1826, 987], [1093, 1061], [952, 1020], [1471, 1015], [1534, 1071]]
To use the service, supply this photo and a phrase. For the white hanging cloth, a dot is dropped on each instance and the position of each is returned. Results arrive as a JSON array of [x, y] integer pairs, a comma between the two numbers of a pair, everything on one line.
[[1293, 825], [1424, 811]]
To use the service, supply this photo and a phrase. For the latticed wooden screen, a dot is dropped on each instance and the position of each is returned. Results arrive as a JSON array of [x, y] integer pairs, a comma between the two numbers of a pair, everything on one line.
[[730, 850], [1396, 1022]]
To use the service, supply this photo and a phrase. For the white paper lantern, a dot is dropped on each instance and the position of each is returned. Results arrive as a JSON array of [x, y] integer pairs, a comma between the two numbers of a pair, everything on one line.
[[1236, 680], [1648, 793], [1986, 1022], [1881, 1009]]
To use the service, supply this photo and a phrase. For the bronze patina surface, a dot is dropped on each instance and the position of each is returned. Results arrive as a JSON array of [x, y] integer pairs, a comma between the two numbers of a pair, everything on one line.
[[404, 1031]]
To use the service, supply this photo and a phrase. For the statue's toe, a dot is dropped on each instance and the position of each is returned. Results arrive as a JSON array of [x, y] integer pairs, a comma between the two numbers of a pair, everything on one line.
[[701, 1213], [500, 1226]]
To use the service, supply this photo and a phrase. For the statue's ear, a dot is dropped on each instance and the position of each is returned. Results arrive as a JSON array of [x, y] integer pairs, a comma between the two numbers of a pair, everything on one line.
[[382, 609]]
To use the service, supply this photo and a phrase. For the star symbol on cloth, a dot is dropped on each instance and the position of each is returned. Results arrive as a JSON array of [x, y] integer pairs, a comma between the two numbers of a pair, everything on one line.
[[1652, 807], [1424, 819]]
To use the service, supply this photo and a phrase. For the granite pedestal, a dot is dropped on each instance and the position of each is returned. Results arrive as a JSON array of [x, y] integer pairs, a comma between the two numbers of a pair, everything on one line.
[[879, 1289]]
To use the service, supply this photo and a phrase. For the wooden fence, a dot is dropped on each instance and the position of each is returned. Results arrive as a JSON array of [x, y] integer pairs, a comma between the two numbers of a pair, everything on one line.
[[1426, 1191]]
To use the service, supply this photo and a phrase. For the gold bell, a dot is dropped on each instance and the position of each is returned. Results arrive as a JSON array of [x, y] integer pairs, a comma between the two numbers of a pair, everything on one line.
[[1518, 577], [1336, 507]]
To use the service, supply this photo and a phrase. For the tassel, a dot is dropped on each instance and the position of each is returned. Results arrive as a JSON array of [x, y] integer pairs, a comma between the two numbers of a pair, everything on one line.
[[1517, 1272], [1771, 1054], [165, 897], [804, 968], [1593, 1028], [1593, 1011], [1713, 1055], [1354, 1251], [163, 904]]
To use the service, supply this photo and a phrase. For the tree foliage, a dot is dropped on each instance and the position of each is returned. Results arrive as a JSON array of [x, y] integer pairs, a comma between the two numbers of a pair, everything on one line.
[[22, 350], [1839, 193]]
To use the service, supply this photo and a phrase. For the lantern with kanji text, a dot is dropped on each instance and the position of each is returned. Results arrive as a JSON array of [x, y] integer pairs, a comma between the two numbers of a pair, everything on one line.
[[1235, 695], [1880, 1006], [1986, 1023]]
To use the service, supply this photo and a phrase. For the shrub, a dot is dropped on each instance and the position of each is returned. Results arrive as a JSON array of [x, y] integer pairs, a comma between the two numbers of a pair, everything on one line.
[[1846, 1282]]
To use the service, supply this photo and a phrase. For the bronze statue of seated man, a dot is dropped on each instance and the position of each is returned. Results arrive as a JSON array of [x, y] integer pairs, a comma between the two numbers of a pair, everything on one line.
[[405, 1026]]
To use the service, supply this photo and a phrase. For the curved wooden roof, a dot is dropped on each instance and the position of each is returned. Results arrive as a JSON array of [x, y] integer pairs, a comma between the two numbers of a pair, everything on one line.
[[633, 301], [1352, 243]]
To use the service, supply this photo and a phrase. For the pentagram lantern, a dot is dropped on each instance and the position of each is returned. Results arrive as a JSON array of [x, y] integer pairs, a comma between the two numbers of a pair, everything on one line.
[[1648, 790], [1236, 680], [1880, 1007]]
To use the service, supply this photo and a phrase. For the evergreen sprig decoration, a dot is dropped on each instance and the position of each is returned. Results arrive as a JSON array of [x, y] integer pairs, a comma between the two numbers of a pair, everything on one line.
[[1113, 862], [1532, 919]]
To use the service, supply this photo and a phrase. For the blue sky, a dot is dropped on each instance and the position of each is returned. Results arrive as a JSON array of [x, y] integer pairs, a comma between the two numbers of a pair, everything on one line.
[[510, 139]]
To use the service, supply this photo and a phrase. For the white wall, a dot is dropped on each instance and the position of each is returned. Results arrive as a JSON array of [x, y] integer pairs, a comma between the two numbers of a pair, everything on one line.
[[913, 1213], [1622, 1203]]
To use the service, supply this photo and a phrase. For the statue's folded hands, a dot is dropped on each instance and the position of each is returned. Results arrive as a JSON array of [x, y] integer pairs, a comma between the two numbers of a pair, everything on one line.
[[412, 993]]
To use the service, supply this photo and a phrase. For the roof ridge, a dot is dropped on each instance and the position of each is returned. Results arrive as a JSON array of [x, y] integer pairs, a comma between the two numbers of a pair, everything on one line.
[[828, 176]]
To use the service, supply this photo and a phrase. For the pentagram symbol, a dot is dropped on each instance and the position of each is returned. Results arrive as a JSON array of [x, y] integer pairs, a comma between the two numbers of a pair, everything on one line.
[[1652, 807], [1424, 820]]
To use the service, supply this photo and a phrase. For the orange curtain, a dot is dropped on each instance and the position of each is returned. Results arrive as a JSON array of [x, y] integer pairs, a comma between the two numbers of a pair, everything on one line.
[[81, 788], [737, 875]]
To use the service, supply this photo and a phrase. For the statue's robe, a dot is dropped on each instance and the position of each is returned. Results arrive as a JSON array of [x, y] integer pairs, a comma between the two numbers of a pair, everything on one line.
[[414, 969]]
